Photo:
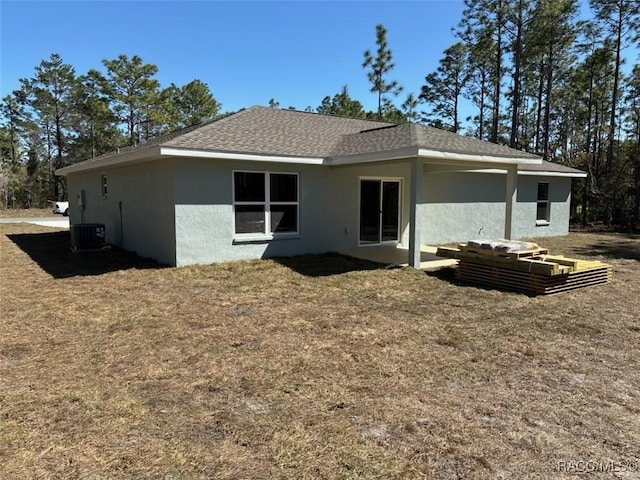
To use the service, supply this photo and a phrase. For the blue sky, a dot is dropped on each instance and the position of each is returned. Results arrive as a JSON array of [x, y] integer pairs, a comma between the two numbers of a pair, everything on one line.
[[296, 52], [247, 52]]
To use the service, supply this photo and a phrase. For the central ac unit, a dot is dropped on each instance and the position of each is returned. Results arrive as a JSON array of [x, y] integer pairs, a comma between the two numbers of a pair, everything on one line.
[[87, 236]]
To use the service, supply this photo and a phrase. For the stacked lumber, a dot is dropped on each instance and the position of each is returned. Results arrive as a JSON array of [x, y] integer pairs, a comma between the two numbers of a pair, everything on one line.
[[523, 268]]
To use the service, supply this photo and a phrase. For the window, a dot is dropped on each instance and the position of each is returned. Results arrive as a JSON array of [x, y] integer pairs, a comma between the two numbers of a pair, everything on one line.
[[542, 215], [103, 182], [265, 203]]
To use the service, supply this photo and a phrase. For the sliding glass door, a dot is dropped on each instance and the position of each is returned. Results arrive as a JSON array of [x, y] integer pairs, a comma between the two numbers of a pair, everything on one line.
[[379, 211]]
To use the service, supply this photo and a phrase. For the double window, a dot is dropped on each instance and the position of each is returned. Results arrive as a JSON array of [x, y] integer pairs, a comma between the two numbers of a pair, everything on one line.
[[542, 215], [265, 203]]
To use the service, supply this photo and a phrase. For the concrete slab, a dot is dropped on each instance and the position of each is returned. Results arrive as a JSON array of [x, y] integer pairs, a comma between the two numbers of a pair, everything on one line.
[[392, 255]]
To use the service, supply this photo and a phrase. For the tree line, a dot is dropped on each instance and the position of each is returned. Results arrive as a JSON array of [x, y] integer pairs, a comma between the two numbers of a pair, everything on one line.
[[544, 81], [538, 78]]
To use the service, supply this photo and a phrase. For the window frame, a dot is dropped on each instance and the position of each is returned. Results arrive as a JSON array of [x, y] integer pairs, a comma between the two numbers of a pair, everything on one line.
[[103, 186], [547, 217], [267, 234]]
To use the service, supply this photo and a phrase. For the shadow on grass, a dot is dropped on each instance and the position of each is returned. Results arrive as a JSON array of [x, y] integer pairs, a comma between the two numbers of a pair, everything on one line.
[[50, 250], [326, 264], [615, 246]]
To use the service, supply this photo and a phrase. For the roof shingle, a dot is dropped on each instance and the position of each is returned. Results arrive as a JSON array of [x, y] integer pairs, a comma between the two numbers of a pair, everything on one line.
[[269, 131]]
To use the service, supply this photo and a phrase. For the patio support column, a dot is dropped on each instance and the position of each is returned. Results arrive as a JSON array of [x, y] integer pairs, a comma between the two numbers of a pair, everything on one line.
[[415, 217], [511, 199]]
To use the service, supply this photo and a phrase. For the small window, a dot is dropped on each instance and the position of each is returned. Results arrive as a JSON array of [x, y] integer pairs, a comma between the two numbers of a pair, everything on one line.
[[542, 215], [103, 182], [265, 203]]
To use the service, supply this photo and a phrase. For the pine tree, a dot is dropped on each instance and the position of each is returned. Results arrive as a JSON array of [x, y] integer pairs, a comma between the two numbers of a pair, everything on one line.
[[49, 98], [341, 104], [379, 66], [443, 88], [622, 20], [131, 90]]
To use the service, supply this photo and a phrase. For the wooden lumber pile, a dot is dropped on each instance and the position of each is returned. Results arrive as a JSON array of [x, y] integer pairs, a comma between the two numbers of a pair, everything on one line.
[[524, 267]]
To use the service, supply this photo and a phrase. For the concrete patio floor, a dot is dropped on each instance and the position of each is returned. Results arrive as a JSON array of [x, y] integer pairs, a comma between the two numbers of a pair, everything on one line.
[[392, 255]]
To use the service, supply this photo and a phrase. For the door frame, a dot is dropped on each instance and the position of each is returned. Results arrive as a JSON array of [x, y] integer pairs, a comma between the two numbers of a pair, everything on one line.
[[381, 179]]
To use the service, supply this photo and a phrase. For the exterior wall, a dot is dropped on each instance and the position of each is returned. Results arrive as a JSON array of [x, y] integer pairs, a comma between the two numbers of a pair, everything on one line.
[[180, 211], [560, 207], [461, 206], [137, 211], [328, 210]]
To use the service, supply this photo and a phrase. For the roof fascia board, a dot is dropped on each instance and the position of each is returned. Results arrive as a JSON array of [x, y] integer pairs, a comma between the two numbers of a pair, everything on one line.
[[410, 152], [553, 174], [445, 157], [533, 173], [180, 152], [465, 157], [118, 159]]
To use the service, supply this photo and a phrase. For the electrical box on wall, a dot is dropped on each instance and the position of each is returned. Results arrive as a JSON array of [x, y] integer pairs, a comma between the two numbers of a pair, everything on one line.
[[81, 199]]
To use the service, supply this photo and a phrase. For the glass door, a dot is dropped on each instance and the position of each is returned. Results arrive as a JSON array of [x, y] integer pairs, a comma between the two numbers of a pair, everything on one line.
[[379, 211]]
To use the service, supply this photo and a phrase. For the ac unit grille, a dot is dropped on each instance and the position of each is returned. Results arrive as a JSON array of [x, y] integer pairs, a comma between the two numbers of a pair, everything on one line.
[[87, 236]]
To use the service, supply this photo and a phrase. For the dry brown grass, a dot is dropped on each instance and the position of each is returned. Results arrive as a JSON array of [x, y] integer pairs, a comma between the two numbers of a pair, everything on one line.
[[316, 367]]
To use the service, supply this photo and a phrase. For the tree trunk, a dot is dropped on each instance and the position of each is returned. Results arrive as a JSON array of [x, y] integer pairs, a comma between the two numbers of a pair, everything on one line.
[[483, 92], [589, 159], [547, 107], [498, 80], [614, 94], [539, 107], [517, 59]]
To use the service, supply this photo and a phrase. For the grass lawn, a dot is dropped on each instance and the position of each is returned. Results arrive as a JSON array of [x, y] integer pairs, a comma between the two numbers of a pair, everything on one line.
[[313, 367], [26, 212]]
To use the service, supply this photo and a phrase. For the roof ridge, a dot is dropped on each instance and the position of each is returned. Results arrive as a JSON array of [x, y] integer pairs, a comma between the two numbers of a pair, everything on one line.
[[319, 114]]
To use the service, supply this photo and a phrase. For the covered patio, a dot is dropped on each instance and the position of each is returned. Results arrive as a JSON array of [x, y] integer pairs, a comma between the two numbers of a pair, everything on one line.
[[398, 256]]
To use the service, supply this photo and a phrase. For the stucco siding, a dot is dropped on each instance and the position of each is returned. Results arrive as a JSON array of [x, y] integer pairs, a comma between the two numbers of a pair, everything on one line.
[[137, 211], [559, 204], [328, 210], [460, 206], [180, 211]]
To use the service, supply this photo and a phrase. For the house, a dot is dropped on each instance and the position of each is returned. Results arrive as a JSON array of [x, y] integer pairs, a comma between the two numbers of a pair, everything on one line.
[[266, 182]]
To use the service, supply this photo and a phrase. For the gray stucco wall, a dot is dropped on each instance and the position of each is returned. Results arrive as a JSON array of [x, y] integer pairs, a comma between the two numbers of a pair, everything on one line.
[[180, 211], [462, 206], [328, 200], [138, 210]]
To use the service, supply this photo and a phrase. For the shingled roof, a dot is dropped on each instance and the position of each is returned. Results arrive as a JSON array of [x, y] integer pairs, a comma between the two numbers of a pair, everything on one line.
[[290, 133]]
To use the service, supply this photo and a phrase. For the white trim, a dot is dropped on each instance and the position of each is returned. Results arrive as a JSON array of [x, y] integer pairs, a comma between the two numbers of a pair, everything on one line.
[[499, 171], [179, 152], [547, 219], [372, 157], [553, 174], [136, 156], [267, 235], [399, 181], [435, 154], [155, 152], [424, 153]]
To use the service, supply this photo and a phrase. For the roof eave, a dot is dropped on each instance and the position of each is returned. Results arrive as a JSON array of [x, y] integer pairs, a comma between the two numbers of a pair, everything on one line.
[[550, 173], [194, 153], [446, 157], [136, 156]]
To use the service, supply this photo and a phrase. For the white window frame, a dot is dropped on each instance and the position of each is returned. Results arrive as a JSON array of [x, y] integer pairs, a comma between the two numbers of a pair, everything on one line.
[[547, 202], [103, 186], [267, 234], [400, 180]]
